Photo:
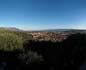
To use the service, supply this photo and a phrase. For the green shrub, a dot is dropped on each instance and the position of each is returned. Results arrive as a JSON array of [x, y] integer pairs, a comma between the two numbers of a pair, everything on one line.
[[10, 41]]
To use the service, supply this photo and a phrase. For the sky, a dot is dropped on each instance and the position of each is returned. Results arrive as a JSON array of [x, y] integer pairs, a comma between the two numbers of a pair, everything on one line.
[[43, 14]]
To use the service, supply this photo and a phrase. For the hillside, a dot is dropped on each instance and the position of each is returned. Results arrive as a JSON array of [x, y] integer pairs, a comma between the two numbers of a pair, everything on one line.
[[10, 28]]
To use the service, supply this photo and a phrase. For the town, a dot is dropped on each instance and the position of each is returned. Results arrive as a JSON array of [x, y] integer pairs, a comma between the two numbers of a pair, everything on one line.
[[49, 36]]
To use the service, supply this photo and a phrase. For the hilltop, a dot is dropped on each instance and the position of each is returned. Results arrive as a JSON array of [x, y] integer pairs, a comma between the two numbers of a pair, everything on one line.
[[10, 28]]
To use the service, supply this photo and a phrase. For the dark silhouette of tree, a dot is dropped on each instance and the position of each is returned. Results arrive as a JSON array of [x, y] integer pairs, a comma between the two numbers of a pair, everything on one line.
[[74, 51]]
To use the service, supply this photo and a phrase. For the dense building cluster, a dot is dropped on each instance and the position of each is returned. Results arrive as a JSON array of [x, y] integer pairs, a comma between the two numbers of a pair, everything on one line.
[[48, 36]]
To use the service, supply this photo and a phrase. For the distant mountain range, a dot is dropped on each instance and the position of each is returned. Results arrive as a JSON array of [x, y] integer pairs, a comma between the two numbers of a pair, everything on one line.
[[66, 30], [47, 30], [63, 30]]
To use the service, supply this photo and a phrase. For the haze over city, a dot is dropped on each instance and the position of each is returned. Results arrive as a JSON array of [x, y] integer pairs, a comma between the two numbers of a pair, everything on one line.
[[43, 14]]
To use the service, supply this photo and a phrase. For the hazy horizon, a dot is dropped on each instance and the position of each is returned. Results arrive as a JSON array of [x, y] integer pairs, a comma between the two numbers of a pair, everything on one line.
[[43, 14]]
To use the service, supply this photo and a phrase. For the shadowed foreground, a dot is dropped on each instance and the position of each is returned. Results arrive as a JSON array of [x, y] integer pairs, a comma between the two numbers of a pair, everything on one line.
[[69, 54]]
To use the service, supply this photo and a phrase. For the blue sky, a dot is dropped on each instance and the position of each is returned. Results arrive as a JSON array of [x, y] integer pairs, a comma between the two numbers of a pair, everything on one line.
[[43, 14]]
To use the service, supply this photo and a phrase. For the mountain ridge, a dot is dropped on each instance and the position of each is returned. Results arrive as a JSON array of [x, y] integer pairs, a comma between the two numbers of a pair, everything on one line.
[[45, 30], [10, 28]]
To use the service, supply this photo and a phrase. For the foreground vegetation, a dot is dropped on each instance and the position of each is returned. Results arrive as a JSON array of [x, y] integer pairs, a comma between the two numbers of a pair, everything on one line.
[[12, 40], [19, 52]]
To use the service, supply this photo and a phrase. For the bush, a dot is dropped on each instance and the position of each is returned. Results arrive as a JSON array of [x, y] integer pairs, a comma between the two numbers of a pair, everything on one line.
[[31, 57], [10, 41]]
